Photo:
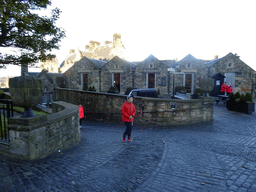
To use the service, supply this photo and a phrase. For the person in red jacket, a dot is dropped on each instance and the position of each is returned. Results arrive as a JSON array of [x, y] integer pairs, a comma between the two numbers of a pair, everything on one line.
[[81, 113], [230, 89], [224, 88], [128, 113]]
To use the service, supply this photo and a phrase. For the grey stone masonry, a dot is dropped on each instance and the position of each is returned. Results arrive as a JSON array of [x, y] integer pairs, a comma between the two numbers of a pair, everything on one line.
[[37, 137], [105, 107]]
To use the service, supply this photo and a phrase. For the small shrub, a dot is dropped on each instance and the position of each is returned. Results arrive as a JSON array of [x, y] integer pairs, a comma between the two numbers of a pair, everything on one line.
[[85, 88], [242, 98], [237, 96], [248, 98], [198, 92], [113, 89], [91, 88], [231, 96]]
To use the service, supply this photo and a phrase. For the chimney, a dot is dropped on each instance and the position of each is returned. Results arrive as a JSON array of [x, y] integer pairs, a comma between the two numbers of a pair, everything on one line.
[[216, 57]]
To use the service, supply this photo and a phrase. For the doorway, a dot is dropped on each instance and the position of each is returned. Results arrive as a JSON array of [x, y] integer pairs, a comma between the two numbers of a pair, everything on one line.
[[230, 78], [151, 80], [188, 83], [85, 81], [117, 81]]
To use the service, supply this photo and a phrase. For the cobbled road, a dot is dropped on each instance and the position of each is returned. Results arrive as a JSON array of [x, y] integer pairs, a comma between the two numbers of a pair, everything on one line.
[[215, 156]]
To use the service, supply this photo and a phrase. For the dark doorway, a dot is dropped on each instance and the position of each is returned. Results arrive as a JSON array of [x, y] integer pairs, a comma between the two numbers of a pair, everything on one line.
[[117, 80], [188, 82], [85, 81], [151, 80]]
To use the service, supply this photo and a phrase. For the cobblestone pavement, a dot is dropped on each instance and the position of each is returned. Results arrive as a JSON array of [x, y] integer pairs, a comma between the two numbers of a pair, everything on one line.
[[215, 156]]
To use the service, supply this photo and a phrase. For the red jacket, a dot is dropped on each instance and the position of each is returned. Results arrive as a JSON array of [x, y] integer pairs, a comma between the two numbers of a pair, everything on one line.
[[81, 112], [128, 109], [230, 89], [224, 88]]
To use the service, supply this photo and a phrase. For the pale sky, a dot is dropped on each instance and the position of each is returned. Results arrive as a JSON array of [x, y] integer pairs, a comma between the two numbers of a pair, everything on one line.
[[167, 29]]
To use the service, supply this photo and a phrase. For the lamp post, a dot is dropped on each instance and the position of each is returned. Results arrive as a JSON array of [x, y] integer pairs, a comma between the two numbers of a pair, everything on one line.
[[172, 70]]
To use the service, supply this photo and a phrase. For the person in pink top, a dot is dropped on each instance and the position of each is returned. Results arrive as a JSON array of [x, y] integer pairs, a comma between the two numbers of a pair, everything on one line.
[[128, 113], [81, 113]]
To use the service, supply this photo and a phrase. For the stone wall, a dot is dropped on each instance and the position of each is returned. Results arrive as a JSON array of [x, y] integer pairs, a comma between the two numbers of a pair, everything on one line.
[[38, 137], [104, 107]]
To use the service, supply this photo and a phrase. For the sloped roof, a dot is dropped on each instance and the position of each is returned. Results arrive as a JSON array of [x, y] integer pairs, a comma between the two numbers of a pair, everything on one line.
[[169, 63], [189, 57], [118, 59], [212, 62], [151, 57], [217, 74], [98, 63]]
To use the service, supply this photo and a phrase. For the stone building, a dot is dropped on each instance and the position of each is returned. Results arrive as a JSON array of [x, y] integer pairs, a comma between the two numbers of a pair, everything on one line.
[[84, 73], [96, 51], [154, 73], [117, 72], [189, 72], [240, 75]]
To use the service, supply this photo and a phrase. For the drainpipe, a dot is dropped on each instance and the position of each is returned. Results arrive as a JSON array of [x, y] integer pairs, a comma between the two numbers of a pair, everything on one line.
[[168, 86], [133, 76], [99, 80]]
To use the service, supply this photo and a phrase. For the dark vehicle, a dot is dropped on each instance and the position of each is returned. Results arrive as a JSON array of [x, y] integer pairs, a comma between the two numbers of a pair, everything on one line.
[[151, 92]]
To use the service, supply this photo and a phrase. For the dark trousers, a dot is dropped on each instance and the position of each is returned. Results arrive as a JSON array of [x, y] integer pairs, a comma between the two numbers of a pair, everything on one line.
[[128, 130]]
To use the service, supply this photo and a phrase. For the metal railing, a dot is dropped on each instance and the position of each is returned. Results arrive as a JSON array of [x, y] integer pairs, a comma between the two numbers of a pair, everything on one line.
[[6, 111]]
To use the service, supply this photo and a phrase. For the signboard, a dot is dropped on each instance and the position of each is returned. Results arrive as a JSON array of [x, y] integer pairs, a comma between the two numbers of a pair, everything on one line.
[[173, 105]]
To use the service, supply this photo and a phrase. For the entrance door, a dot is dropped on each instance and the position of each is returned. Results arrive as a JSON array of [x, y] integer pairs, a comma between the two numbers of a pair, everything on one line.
[[85, 81], [188, 83], [117, 80], [151, 80], [230, 78]]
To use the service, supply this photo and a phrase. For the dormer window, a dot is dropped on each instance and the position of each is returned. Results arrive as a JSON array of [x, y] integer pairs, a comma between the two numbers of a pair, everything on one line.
[[116, 66], [151, 65]]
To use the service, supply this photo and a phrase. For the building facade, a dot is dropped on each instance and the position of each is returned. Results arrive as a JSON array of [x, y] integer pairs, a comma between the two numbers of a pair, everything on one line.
[[155, 73]]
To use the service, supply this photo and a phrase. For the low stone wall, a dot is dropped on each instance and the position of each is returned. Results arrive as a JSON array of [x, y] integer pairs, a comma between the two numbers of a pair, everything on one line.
[[105, 107], [37, 137]]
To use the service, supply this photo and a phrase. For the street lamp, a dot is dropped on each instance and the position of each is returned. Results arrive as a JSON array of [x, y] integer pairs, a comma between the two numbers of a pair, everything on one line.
[[172, 70]]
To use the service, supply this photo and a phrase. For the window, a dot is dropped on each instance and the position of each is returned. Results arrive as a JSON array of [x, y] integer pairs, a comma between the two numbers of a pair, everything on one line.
[[188, 65], [230, 65], [151, 65], [116, 66]]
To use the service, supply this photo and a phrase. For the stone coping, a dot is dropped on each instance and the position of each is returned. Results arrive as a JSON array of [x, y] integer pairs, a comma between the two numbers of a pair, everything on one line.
[[143, 98], [61, 109]]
